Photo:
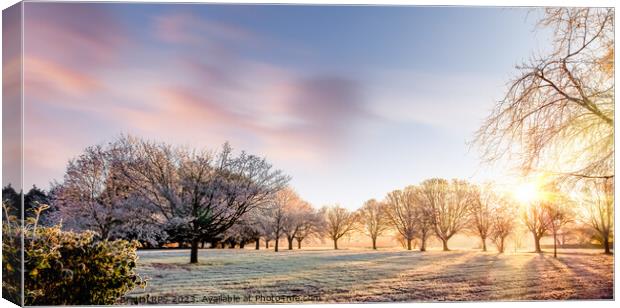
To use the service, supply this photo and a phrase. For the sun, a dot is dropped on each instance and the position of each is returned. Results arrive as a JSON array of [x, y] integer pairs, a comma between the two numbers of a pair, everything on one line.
[[526, 193]]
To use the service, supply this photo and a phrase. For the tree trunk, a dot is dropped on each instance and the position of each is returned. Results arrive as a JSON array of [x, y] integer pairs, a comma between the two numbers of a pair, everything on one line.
[[408, 244], [445, 244], [290, 243], [277, 243], [423, 244], [374, 243], [555, 244], [193, 256], [336, 243], [241, 245], [258, 244], [202, 244], [606, 244], [298, 244], [537, 243]]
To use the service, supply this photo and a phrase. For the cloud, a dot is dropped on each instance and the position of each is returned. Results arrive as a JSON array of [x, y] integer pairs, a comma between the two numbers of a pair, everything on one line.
[[79, 35], [44, 79], [89, 88]]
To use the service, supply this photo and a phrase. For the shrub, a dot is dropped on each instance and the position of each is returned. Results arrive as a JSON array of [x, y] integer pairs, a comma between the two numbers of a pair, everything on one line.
[[69, 268]]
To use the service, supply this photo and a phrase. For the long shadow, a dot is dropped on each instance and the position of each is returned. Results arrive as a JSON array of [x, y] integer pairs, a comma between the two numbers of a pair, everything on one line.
[[338, 278], [548, 279], [590, 283], [434, 280], [469, 280]]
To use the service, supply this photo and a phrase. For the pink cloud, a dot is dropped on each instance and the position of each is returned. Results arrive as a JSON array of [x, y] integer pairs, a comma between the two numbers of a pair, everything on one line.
[[45, 78], [80, 35], [190, 99]]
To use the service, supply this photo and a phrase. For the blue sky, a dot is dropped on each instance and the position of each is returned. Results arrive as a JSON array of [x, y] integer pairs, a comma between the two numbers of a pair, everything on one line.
[[352, 102]]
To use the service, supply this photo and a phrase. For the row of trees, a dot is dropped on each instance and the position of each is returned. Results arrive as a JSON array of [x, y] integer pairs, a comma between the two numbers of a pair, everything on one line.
[[157, 194], [442, 208]]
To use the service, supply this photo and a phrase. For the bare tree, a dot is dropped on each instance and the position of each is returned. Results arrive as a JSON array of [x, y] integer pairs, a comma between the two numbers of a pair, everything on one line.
[[202, 192], [558, 113], [280, 213], [534, 217], [374, 219], [559, 215], [502, 225], [401, 211], [447, 203], [300, 218], [313, 225], [483, 200], [598, 200], [423, 221], [338, 222]]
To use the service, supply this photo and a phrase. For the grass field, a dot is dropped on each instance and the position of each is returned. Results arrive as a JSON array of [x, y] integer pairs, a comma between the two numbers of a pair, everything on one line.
[[225, 275]]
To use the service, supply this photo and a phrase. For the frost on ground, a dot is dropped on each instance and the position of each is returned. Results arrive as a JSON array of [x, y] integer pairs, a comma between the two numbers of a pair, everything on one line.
[[375, 276]]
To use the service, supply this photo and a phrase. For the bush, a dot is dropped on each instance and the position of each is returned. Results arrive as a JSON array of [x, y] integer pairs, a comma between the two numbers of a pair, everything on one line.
[[68, 268]]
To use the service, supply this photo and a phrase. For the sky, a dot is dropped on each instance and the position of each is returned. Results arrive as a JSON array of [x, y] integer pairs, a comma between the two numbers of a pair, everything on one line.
[[351, 102]]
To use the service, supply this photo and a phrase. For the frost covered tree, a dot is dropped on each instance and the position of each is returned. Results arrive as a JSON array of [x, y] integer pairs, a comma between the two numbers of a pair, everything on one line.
[[300, 217], [502, 224], [200, 192], [242, 232], [447, 204], [401, 211], [483, 201], [280, 214], [91, 196], [374, 219], [339, 222]]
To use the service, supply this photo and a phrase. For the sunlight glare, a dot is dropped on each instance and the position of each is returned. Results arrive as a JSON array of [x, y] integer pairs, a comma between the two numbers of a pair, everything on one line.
[[526, 193]]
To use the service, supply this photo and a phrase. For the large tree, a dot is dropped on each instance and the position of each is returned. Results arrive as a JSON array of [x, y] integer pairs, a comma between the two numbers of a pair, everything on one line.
[[401, 210], [374, 219], [338, 222], [557, 116], [200, 192], [448, 204]]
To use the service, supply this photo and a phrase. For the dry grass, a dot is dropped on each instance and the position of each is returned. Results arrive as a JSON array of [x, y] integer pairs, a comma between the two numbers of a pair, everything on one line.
[[377, 276]]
